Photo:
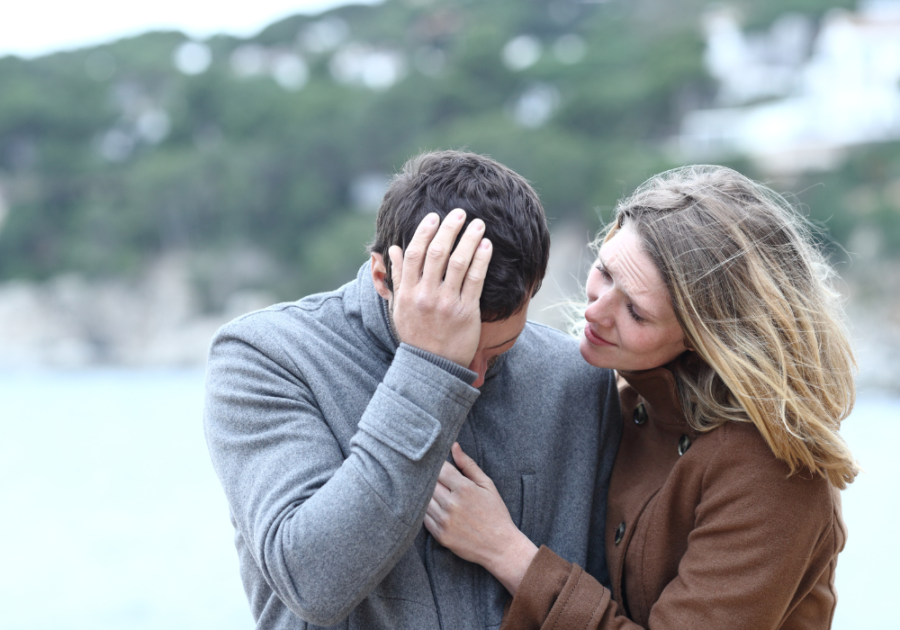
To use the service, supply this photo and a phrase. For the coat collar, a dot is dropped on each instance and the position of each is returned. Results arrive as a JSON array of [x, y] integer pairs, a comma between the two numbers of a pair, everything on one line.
[[659, 392], [374, 312]]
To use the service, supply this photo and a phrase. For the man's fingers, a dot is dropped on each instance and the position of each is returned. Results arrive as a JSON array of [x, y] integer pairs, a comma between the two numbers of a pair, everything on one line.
[[414, 256], [474, 280], [468, 466], [439, 249], [462, 256]]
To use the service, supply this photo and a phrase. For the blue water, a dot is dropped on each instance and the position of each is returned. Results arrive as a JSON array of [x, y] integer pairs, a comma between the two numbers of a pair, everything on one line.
[[868, 576], [111, 517]]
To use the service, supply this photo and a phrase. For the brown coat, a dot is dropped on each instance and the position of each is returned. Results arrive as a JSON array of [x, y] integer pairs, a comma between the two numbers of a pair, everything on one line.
[[718, 537]]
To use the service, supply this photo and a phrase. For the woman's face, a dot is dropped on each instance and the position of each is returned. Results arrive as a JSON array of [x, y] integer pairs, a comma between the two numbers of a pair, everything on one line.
[[630, 321]]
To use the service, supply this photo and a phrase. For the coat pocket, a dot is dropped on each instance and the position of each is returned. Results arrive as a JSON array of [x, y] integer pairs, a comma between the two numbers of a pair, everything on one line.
[[519, 492]]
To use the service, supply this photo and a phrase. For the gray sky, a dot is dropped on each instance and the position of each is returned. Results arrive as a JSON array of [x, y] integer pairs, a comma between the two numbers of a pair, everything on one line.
[[31, 28]]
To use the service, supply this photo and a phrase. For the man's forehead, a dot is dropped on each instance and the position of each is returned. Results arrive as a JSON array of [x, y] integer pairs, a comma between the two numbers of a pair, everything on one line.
[[494, 334]]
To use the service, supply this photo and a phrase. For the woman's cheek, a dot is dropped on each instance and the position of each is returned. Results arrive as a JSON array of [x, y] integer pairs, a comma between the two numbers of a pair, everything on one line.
[[645, 342]]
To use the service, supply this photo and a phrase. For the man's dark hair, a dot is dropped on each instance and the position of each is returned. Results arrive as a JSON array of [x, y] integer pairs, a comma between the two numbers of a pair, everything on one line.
[[512, 213]]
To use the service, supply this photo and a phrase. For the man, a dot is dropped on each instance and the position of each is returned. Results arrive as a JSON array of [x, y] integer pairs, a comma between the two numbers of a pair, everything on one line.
[[328, 419]]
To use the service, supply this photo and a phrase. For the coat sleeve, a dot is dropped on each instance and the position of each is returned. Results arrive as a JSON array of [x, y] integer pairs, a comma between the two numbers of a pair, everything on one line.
[[323, 526], [744, 568], [557, 595]]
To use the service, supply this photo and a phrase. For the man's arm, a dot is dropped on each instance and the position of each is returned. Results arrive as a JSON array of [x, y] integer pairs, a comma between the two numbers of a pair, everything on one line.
[[325, 530]]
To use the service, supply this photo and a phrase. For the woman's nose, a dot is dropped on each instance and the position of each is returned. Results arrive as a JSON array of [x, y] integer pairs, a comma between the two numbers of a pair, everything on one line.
[[599, 310]]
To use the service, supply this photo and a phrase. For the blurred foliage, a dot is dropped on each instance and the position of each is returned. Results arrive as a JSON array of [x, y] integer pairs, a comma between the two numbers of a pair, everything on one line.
[[242, 164]]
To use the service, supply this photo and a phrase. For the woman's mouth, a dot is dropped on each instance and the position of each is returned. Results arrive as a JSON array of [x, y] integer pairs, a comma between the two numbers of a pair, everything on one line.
[[594, 339]]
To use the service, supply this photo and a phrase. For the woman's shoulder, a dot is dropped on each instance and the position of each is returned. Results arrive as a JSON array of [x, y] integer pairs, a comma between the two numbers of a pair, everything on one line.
[[740, 461]]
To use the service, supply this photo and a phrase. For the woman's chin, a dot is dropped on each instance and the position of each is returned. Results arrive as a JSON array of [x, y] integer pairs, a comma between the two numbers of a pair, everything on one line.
[[596, 355], [612, 357]]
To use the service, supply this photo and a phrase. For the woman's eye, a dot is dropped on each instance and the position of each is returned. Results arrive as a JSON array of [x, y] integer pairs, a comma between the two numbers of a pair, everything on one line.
[[634, 314], [603, 273]]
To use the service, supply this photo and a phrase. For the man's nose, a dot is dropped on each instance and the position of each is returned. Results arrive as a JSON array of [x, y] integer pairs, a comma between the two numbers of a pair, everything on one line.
[[478, 364]]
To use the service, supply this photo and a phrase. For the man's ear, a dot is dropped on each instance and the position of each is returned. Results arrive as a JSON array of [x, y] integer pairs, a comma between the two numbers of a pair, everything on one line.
[[379, 275]]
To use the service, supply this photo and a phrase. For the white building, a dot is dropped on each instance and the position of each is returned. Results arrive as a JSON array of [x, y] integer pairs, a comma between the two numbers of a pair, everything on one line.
[[793, 99]]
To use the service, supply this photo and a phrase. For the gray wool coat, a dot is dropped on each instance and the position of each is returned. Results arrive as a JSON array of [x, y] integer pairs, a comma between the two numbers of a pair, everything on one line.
[[328, 435]]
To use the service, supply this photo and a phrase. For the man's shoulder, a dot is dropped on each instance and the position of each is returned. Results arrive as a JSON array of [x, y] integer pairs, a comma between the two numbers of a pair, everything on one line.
[[542, 340], [286, 318], [555, 353], [545, 365]]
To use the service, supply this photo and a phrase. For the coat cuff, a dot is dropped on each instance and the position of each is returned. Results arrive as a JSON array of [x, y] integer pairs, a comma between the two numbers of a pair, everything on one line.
[[416, 404], [556, 594], [460, 372]]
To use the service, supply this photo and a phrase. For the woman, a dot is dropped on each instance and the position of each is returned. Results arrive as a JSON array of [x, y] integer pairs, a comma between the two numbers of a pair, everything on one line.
[[735, 373]]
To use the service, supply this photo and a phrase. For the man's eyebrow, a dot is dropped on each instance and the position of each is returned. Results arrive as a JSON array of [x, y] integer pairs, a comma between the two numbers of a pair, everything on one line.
[[504, 343]]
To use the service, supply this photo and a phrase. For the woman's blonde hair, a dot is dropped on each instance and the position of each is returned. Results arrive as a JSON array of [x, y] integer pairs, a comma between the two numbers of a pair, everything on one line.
[[752, 294]]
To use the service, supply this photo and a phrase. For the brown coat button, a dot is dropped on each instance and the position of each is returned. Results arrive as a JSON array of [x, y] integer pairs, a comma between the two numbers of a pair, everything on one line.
[[640, 414], [620, 533], [684, 444]]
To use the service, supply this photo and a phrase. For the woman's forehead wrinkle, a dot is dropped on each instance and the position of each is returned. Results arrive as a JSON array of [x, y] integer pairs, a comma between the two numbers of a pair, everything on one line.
[[626, 272], [634, 277]]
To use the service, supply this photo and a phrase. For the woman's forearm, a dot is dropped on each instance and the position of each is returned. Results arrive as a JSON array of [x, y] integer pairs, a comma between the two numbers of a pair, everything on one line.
[[512, 562]]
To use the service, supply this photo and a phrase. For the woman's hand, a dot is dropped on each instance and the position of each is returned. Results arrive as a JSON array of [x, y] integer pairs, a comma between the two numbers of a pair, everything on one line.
[[467, 515], [437, 289]]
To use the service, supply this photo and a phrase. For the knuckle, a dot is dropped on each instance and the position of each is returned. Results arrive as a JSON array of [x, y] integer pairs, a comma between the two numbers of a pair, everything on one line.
[[457, 264], [422, 301], [436, 250], [413, 252]]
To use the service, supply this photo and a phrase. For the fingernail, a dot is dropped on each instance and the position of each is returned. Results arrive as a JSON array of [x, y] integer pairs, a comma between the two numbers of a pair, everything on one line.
[[477, 224], [485, 244], [459, 215], [432, 218]]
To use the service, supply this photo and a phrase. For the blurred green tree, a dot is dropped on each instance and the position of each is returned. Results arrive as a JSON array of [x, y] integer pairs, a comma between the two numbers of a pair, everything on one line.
[[111, 156]]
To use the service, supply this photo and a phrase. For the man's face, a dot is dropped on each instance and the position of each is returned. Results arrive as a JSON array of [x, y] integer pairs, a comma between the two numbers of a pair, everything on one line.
[[496, 338]]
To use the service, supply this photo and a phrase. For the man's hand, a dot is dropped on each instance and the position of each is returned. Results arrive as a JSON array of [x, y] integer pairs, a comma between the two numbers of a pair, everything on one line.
[[436, 293]]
